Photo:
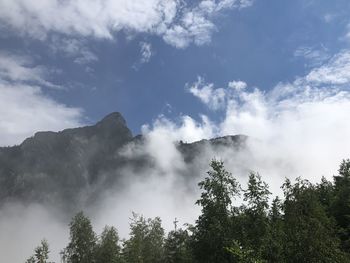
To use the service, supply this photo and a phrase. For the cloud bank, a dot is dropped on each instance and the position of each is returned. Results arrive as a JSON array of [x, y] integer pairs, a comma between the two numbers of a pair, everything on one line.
[[295, 129]]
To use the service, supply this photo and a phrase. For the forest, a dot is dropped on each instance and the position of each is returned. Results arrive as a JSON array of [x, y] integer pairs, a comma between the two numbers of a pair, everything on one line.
[[310, 223]]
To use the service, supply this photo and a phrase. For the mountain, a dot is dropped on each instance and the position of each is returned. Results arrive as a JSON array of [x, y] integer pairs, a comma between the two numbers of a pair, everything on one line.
[[74, 166]]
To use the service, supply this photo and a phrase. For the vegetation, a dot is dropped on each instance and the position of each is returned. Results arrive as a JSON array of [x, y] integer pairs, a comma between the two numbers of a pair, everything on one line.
[[310, 224]]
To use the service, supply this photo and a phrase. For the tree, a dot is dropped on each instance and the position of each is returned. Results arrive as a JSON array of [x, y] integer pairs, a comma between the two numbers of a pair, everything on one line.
[[146, 242], [108, 249], [242, 255], [212, 232], [41, 253], [325, 191], [341, 204], [274, 243], [82, 245], [177, 247], [309, 233], [255, 223]]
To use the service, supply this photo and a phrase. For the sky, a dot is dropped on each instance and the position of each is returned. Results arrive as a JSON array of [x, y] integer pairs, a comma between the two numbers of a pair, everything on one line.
[[276, 71], [69, 63]]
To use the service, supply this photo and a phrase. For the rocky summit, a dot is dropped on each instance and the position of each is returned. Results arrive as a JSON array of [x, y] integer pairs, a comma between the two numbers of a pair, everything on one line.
[[75, 166]]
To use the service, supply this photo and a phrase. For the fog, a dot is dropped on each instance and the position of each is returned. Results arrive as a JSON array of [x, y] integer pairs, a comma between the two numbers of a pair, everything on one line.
[[296, 129]]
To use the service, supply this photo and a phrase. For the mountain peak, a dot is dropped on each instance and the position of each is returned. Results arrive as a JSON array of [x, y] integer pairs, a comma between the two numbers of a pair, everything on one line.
[[113, 122], [112, 117]]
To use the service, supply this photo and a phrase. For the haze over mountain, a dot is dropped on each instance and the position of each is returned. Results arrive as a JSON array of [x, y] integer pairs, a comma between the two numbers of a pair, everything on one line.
[[70, 169]]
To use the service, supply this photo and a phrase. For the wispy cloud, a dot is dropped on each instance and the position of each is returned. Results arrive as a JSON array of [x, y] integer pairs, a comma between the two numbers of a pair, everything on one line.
[[24, 107], [336, 72], [314, 56], [177, 22], [146, 52], [22, 69], [73, 48]]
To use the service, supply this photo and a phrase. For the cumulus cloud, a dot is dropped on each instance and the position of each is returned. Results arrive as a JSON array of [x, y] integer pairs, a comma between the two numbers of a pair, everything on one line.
[[177, 22], [24, 107], [214, 98], [295, 129]]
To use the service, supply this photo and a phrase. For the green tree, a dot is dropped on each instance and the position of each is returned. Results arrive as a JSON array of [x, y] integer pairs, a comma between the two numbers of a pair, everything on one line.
[[341, 204], [177, 247], [274, 244], [242, 255], [41, 253], [146, 242], [108, 249], [82, 245], [309, 233], [212, 232], [325, 191], [255, 223]]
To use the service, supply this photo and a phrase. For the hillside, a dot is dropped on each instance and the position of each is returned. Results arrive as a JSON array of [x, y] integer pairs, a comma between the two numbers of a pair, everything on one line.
[[74, 166]]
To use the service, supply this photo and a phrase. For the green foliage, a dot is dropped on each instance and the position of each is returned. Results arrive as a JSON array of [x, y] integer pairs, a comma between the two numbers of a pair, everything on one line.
[[213, 227], [177, 247], [242, 255], [108, 249], [255, 223], [146, 242], [341, 205], [41, 253], [309, 235], [275, 236], [311, 224], [82, 245]]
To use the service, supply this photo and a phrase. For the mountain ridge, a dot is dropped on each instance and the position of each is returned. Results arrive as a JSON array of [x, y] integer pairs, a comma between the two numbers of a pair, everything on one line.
[[62, 167]]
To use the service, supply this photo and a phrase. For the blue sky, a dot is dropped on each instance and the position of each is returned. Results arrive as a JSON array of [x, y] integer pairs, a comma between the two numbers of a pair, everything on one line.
[[68, 63], [277, 71]]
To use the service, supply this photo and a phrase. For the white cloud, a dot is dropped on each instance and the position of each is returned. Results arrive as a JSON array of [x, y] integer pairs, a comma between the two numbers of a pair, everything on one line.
[[24, 108], [295, 129], [237, 85], [314, 56], [178, 22], [336, 72], [22, 69], [214, 98], [73, 48], [146, 52]]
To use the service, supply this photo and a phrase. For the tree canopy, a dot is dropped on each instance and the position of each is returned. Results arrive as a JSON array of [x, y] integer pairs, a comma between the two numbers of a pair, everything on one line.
[[310, 223]]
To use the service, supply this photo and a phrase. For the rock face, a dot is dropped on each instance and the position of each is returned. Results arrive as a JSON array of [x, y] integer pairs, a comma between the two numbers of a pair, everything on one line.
[[63, 168]]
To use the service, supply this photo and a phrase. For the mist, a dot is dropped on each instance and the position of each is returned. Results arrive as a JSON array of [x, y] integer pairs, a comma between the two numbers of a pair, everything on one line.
[[295, 129]]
